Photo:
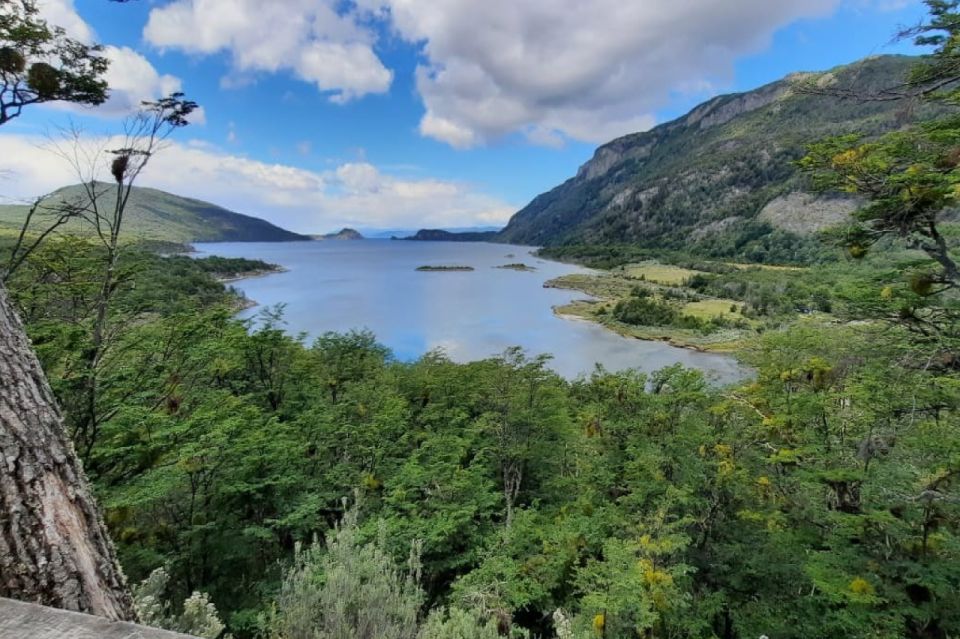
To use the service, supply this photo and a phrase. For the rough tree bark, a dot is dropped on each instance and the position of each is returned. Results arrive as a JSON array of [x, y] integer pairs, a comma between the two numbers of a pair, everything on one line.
[[54, 547]]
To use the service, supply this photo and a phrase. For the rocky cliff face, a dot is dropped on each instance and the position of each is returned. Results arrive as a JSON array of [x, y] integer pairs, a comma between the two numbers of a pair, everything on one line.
[[723, 109], [714, 171], [804, 214], [716, 112]]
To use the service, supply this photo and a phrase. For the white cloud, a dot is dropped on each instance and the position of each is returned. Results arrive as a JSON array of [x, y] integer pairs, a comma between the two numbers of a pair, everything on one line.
[[131, 77], [358, 178], [308, 37], [63, 14], [551, 70], [567, 68], [198, 116], [440, 128], [352, 194]]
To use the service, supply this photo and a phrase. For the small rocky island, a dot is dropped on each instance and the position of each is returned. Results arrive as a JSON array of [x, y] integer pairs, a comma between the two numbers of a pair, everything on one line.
[[342, 234], [518, 266], [443, 269]]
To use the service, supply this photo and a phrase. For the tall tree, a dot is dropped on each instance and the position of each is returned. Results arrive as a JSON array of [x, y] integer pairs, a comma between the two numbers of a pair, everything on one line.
[[103, 206], [39, 63], [54, 547], [910, 177]]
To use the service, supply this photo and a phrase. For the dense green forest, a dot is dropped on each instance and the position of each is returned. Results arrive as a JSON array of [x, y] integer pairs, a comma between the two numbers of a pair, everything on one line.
[[268, 487], [817, 500]]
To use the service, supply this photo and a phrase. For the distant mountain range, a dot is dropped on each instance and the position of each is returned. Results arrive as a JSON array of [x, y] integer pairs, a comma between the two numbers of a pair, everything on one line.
[[724, 175], [386, 234], [157, 215], [441, 235]]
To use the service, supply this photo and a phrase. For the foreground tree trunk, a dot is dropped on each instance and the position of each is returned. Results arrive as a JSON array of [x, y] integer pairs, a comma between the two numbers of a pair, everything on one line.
[[54, 547]]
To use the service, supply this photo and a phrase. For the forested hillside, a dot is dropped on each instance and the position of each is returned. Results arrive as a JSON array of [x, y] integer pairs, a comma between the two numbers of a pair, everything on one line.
[[722, 180], [155, 215]]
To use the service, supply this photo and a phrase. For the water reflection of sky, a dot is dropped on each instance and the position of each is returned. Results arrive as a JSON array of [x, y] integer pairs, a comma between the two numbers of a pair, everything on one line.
[[373, 284]]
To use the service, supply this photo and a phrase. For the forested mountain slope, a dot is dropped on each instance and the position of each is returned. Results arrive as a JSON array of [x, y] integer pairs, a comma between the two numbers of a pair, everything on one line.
[[724, 173], [158, 215]]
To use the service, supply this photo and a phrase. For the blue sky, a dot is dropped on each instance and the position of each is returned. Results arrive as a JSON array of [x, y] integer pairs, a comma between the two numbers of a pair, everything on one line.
[[389, 113]]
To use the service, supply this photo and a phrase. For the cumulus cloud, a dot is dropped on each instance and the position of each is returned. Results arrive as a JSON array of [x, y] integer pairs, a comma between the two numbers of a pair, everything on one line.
[[130, 76], [63, 14], [132, 79], [566, 68], [311, 38], [550, 69], [352, 194]]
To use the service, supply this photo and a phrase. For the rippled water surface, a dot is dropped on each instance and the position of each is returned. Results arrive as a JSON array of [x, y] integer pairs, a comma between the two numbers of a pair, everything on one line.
[[342, 285]]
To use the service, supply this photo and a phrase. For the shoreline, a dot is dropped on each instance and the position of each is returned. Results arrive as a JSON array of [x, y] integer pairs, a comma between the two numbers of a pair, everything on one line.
[[726, 343], [727, 348], [244, 303], [249, 275]]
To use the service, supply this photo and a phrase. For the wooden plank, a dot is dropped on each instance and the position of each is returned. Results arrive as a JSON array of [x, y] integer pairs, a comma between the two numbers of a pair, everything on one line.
[[20, 620]]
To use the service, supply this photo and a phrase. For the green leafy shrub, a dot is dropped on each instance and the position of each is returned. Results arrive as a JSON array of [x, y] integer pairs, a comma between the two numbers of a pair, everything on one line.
[[347, 589]]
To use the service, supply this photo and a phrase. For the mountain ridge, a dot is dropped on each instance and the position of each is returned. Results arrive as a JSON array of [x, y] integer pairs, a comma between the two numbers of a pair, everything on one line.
[[153, 214], [722, 176]]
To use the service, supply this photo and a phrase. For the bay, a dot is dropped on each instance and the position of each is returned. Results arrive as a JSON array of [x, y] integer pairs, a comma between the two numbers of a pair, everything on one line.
[[373, 284]]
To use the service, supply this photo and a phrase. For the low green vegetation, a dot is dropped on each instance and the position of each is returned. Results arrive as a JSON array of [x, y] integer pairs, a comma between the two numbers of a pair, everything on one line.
[[607, 256], [643, 309], [667, 274], [656, 301], [518, 266], [719, 306]]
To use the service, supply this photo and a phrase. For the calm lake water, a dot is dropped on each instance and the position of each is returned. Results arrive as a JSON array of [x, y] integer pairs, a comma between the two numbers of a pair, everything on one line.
[[373, 284]]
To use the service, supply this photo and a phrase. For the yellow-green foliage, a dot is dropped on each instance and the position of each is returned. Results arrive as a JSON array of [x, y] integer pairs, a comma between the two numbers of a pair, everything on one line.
[[659, 273], [708, 309]]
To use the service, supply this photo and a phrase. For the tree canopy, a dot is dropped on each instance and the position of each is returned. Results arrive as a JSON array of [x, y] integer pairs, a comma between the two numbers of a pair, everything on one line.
[[40, 63]]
